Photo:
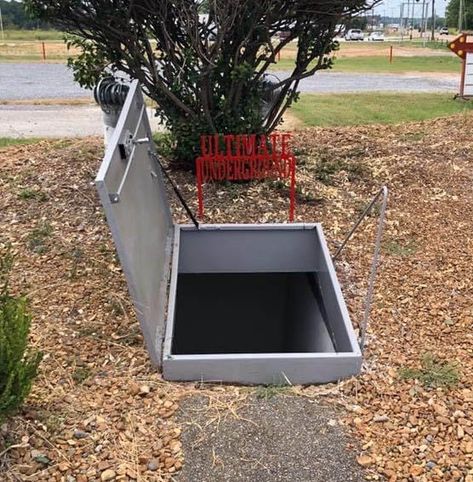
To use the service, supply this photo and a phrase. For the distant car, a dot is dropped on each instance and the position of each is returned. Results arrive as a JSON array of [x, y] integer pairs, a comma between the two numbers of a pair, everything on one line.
[[376, 36], [283, 35], [444, 31], [354, 34]]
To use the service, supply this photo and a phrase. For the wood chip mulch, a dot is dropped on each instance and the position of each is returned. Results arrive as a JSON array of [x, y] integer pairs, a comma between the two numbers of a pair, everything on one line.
[[99, 411]]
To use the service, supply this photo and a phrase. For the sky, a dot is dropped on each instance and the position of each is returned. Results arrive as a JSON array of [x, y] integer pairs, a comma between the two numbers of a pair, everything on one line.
[[392, 7]]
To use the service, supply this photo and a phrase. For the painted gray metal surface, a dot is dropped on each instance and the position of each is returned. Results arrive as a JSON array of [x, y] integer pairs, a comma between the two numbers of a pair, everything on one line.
[[297, 368], [242, 249], [249, 368], [153, 252], [137, 210]]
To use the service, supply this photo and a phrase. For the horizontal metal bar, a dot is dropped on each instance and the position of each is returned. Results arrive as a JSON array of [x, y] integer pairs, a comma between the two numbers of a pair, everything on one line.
[[264, 356]]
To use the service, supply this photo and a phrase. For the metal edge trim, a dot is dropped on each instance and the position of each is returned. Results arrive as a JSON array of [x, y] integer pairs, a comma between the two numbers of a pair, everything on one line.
[[169, 332], [338, 291]]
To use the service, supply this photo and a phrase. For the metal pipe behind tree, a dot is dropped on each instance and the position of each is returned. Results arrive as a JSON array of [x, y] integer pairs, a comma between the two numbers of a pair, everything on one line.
[[433, 20]]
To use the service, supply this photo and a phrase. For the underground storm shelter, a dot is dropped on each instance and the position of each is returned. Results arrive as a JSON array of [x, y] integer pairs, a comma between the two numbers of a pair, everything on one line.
[[253, 304]]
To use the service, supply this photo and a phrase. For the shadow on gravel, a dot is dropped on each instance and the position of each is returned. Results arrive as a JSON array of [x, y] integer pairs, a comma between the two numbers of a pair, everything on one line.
[[281, 438]]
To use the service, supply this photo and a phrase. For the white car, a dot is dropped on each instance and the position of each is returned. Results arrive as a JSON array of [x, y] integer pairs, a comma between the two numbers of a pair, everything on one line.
[[376, 36], [444, 31], [354, 34]]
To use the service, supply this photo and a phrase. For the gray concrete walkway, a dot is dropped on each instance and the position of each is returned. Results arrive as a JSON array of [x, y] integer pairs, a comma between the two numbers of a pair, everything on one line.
[[281, 439], [55, 121]]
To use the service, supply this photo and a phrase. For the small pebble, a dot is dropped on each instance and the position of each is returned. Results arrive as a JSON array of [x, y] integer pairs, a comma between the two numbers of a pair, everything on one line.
[[153, 464], [108, 474], [80, 434], [145, 389], [380, 418]]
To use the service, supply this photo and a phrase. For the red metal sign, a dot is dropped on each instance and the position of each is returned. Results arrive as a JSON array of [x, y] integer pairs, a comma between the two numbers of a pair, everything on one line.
[[461, 46], [464, 49], [245, 157]]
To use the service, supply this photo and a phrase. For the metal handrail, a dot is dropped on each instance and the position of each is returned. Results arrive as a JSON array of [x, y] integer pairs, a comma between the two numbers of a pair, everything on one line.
[[383, 192]]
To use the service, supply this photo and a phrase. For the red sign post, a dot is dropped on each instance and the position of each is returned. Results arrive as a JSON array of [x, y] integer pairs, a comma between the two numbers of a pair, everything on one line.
[[464, 50], [243, 158]]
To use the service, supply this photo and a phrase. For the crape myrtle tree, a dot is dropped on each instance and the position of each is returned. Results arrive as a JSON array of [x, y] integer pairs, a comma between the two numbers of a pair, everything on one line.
[[206, 73]]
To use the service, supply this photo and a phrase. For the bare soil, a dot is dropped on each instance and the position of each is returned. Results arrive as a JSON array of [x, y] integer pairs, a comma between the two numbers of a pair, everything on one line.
[[376, 49]]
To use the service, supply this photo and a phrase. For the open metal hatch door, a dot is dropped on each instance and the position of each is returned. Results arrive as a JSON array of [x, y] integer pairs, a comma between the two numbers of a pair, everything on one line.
[[132, 192]]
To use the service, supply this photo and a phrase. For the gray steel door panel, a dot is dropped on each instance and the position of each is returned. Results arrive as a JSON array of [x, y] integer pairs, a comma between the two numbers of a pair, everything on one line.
[[137, 210]]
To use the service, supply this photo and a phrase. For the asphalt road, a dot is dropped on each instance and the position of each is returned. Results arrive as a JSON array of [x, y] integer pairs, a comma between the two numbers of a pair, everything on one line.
[[23, 82], [48, 81], [333, 82], [38, 81]]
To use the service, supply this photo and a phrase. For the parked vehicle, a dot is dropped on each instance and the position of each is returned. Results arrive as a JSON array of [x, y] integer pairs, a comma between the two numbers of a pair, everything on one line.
[[376, 36], [444, 31], [354, 34], [284, 34]]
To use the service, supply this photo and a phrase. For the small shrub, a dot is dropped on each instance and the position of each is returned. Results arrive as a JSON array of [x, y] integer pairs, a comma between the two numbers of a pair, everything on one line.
[[164, 144], [33, 194], [396, 249], [76, 256], [413, 137], [81, 374], [307, 197], [18, 364], [267, 392], [37, 238], [328, 166], [433, 372], [116, 306]]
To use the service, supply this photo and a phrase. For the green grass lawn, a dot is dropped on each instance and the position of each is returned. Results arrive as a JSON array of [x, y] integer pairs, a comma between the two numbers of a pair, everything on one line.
[[354, 109], [436, 45], [28, 35], [10, 141], [400, 64], [443, 64]]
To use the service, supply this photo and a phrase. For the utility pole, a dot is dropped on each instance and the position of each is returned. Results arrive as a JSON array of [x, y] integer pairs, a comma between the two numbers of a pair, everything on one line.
[[401, 21], [433, 20], [1, 25], [408, 12], [422, 21], [426, 21], [425, 16], [460, 17], [407, 16]]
